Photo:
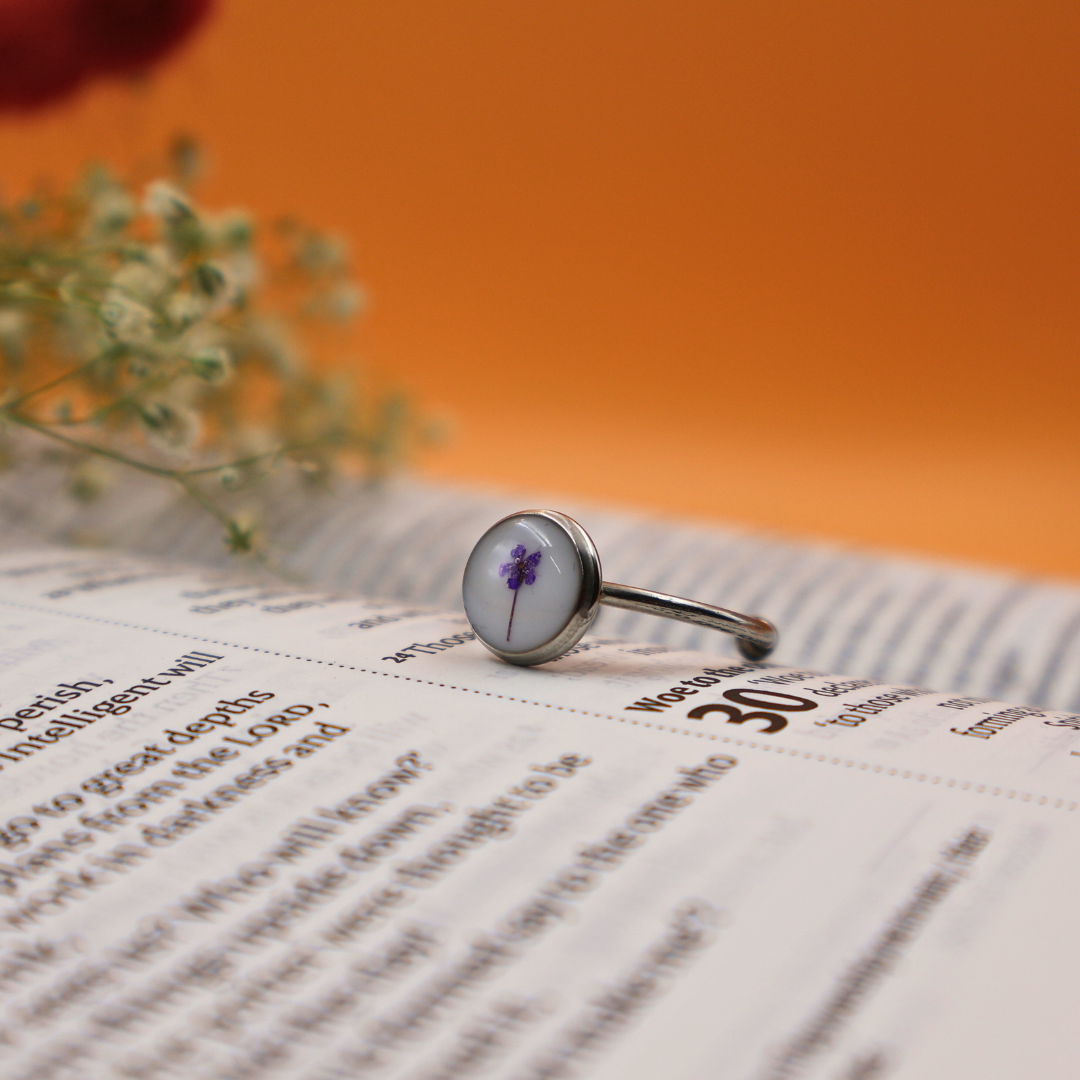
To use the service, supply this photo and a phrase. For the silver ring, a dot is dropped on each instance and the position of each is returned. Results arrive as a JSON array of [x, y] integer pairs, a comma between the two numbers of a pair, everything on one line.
[[533, 586]]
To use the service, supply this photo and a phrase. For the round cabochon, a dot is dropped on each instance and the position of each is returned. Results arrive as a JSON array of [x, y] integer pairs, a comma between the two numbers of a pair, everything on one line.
[[522, 583]]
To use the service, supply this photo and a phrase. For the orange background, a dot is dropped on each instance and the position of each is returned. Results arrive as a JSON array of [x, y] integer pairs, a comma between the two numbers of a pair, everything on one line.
[[811, 266]]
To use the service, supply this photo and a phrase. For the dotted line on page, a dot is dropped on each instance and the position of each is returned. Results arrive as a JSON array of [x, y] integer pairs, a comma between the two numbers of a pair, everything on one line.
[[749, 744]]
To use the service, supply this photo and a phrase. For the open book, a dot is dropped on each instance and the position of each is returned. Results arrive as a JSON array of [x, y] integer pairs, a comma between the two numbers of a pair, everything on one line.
[[838, 609], [250, 831]]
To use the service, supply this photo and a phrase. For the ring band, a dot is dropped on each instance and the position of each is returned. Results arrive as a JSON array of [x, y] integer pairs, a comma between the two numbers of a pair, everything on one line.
[[533, 586]]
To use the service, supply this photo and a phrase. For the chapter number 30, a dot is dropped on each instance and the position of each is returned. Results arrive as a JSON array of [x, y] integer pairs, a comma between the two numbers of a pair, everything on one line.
[[767, 710]]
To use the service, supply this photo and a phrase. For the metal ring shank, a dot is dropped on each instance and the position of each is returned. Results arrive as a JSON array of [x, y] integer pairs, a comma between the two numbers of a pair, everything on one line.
[[757, 636]]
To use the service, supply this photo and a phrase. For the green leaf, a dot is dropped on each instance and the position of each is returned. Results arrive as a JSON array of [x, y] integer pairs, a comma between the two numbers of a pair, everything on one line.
[[207, 279], [239, 538]]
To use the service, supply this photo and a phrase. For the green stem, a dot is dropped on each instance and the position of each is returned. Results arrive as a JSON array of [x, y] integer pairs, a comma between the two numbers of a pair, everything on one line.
[[178, 475], [90, 448], [241, 463], [182, 479], [10, 406], [194, 492]]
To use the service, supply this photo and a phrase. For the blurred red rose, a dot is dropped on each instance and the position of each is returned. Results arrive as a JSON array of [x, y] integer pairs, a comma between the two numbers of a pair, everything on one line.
[[130, 35], [40, 56], [49, 47]]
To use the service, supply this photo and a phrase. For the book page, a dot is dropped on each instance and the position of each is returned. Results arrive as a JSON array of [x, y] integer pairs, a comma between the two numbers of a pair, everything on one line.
[[838, 609], [252, 832]]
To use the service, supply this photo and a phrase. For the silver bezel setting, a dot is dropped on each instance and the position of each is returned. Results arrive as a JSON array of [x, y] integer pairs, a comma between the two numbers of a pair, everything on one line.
[[588, 599]]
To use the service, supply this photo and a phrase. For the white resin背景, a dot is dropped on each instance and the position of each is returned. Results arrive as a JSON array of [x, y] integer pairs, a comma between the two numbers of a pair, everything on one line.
[[506, 608]]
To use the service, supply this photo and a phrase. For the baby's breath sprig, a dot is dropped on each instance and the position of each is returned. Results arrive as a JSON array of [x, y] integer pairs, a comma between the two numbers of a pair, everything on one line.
[[142, 331]]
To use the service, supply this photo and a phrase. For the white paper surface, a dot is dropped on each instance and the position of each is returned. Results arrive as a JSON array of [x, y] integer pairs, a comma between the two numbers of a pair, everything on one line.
[[415, 861], [867, 614]]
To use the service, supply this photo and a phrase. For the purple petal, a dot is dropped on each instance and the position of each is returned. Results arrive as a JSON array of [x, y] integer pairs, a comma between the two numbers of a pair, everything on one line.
[[530, 577], [518, 552], [513, 583], [506, 568], [533, 559]]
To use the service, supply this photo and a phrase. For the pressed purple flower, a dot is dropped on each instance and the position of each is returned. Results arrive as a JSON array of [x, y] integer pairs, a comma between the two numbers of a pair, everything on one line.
[[521, 570]]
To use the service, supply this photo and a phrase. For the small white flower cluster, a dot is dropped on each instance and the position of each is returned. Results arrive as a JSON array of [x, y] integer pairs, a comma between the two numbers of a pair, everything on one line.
[[130, 320]]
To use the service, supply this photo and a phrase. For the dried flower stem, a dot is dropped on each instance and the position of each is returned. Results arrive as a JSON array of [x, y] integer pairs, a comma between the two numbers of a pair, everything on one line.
[[170, 329]]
